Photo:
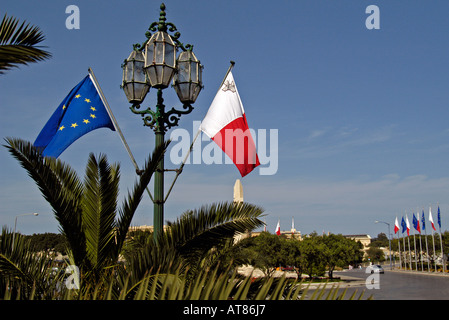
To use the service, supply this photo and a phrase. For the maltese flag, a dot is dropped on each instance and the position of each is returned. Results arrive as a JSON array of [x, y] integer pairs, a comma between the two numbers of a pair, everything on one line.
[[396, 225], [431, 219], [225, 123], [278, 229]]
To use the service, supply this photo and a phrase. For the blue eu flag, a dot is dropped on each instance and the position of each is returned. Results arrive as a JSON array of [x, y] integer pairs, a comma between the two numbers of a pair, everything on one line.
[[79, 113], [404, 225]]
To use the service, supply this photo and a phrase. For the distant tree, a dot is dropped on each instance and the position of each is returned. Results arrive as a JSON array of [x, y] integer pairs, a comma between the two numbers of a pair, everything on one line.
[[291, 254], [266, 256], [48, 242], [375, 254], [340, 252], [380, 241], [312, 256]]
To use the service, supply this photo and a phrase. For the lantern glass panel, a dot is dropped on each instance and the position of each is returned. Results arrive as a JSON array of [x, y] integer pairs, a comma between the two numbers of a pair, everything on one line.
[[135, 82], [187, 81], [160, 59]]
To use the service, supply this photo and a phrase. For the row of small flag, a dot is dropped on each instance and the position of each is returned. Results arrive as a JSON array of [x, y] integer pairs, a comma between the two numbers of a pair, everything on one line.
[[405, 224]]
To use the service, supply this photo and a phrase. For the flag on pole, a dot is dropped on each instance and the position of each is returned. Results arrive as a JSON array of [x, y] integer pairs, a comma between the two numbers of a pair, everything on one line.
[[416, 224], [431, 219], [439, 217], [225, 123], [396, 225], [278, 229], [81, 111], [403, 225], [423, 221], [408, 225]]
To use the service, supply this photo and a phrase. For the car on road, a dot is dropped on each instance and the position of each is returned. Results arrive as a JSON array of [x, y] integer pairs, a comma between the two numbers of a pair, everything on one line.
[[375, 268]]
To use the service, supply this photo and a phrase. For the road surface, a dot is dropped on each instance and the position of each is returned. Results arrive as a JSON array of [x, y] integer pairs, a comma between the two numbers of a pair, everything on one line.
[[397, 285]]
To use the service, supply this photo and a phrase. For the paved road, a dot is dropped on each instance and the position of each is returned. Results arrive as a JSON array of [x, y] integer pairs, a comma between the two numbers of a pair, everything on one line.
[[399, 285]]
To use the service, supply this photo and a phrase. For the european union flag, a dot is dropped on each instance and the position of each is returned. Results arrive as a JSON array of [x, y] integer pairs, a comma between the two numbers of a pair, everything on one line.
[[79, 113], [416, 223], [404, 225], [423, 221]]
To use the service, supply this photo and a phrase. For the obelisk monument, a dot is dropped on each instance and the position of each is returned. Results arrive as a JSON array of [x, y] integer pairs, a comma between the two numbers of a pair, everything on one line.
[[238, 191]]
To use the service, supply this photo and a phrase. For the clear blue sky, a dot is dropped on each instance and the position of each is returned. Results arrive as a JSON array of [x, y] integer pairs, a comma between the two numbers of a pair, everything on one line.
[[362, 115]]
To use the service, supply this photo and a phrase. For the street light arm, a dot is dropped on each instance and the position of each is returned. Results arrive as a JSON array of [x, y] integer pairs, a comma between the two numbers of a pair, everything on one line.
[[148, 116], [172, 117]]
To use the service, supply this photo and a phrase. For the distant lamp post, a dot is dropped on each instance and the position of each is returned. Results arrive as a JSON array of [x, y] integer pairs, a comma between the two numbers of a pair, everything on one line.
[[15, 224], [154, 64], [389, 241]]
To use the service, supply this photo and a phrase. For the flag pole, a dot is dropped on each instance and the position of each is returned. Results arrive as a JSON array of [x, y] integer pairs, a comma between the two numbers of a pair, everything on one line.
[[441, 240], [408, 240], [399, 248], [420, 243], [403, 242], [427, 246], [114, 122], [414, 247], [433, 240]]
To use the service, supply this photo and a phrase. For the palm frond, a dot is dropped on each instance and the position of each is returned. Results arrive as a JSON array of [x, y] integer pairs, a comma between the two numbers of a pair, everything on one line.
[[24, 270], [100, 194], [200, 230], [18, 44], [59, 185]]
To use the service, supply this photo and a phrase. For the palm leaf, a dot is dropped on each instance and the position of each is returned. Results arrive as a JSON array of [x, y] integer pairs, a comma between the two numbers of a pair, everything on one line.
[[59, 185], [18, 44], [196, 232], [24, 270], [99, 208]]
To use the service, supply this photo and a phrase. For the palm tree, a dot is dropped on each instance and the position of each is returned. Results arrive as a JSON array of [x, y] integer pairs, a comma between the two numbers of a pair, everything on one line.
[[96, 229], [87, 211], [18, 44]]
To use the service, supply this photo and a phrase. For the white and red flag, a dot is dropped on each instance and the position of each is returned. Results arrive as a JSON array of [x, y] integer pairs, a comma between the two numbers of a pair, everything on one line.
[[396, 225], [278, 229], [431, 219], [225, 123]]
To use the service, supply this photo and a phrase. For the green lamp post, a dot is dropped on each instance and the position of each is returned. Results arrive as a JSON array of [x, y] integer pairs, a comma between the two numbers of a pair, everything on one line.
[[155, 64]]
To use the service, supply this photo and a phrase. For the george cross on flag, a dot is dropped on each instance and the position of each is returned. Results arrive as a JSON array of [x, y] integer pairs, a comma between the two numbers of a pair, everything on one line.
[[225, 123], [81, 111]]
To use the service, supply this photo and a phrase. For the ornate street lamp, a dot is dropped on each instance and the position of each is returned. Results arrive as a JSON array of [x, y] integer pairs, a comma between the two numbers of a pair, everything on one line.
[[157, 58]]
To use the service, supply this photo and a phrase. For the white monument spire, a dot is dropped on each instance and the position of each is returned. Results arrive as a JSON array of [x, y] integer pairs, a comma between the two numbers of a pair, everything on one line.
[[238, 191]]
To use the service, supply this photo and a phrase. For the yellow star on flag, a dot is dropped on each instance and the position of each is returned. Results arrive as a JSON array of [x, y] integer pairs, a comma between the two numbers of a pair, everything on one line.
[[61, 128], [87, 100], [86, 121], [77, 96], [74, 125]]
